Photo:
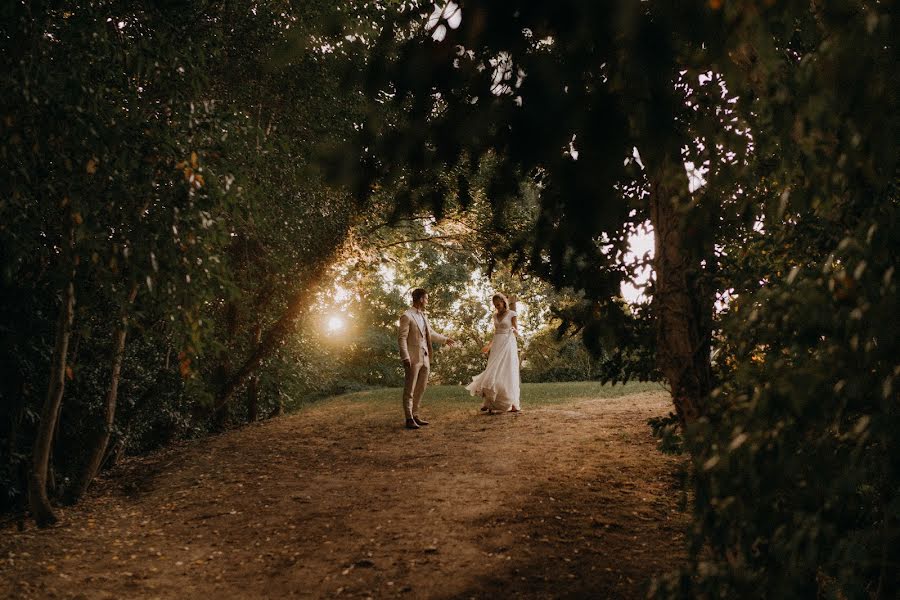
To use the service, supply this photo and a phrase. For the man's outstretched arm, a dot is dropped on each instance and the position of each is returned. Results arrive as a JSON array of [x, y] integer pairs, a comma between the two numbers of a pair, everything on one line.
[[441, 338]]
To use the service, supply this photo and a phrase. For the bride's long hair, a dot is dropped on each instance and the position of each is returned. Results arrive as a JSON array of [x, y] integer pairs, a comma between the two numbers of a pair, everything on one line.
[[506, 302]]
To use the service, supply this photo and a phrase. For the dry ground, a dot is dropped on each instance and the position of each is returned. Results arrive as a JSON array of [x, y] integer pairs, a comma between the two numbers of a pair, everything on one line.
[[565, 501]]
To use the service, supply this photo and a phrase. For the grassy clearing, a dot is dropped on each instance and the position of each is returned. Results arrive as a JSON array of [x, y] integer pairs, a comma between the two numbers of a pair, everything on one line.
[[449, 398]]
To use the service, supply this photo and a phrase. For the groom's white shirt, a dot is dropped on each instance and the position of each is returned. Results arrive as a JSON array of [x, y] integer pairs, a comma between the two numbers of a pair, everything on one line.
[[415, 336]]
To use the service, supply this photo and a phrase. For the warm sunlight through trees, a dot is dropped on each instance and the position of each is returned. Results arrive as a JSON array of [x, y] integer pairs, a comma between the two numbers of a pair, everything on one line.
[[335, 324], [213, 213]]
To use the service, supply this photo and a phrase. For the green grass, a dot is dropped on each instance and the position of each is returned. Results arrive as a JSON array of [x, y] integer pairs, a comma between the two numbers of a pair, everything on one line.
[[533, 394]]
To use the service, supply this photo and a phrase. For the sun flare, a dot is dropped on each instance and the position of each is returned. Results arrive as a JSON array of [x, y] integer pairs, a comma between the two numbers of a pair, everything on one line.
[[334, 324]]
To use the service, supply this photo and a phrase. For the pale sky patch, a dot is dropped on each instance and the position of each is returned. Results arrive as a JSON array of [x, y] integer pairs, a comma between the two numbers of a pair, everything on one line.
[[641, 242]]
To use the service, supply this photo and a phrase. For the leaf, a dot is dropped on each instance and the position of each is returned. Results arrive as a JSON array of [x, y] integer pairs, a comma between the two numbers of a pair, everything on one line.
[[184, 364], [738, 441], [91, 166]]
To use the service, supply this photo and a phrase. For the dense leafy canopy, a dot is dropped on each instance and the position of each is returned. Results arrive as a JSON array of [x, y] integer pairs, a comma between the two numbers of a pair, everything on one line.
[[158, 136], [179, 146], [169, 171], [784, 115]]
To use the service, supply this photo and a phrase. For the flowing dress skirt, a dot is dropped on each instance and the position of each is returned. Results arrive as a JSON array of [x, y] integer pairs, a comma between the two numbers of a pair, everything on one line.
[[498, 384]]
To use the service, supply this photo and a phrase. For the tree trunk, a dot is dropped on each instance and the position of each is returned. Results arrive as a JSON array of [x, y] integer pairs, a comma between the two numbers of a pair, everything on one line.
[[37, 483], [98, 451], [224, 368], [271, 339], [279, 403], [253, 399], [114, 455], [52, 489], [268, 344], [683, 311], [253, 384]]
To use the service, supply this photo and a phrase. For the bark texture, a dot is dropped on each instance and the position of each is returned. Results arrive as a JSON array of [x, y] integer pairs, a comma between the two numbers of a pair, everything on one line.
[[38, 500], [272, 338], [681, 304], [253, 384], [97, 452]]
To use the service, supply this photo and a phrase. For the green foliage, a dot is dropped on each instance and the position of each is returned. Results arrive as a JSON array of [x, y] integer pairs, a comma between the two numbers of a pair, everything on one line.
[[796, 480], [790, 111], [100, 131], [452, 397], [182, 142], [453, 258], [796, 473], [667, 429], [185, 163]]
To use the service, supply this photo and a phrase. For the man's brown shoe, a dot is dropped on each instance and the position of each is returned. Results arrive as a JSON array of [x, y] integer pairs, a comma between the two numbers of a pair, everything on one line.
[[411, 424], [420, 421]]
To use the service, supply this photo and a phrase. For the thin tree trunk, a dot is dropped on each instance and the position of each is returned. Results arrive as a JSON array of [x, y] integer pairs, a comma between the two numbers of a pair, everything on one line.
[[270, 340], [682, 309], [225, 368], [279, 404], [115, 454], [37, 483], [253, 399], [253, 384], [98, 451], [51, 464]]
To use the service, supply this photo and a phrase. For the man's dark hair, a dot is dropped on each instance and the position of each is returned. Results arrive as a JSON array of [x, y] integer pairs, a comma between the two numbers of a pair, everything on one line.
[[418, 293]]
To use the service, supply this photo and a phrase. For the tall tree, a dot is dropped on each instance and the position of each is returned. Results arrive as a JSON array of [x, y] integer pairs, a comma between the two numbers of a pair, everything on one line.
[[788, 110], [108, 190], [562, 105]]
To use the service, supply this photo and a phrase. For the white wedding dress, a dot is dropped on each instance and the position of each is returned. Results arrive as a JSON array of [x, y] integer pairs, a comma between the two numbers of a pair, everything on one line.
[[498, 384]]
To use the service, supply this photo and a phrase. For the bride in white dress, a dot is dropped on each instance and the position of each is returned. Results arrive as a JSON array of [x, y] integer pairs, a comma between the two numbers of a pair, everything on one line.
[[498, 384]]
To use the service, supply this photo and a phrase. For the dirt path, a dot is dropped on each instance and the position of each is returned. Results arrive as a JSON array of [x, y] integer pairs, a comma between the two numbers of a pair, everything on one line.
[[565, 501]]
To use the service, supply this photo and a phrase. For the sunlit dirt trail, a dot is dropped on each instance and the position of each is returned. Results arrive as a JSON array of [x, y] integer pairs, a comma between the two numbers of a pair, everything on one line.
[[570, 501]]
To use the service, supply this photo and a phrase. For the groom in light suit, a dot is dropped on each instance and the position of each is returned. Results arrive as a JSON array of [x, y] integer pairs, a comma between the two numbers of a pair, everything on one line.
[[415, 338]]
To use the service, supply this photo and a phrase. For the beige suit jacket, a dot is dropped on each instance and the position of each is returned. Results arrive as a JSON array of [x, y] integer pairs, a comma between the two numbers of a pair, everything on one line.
[[415, 344]]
